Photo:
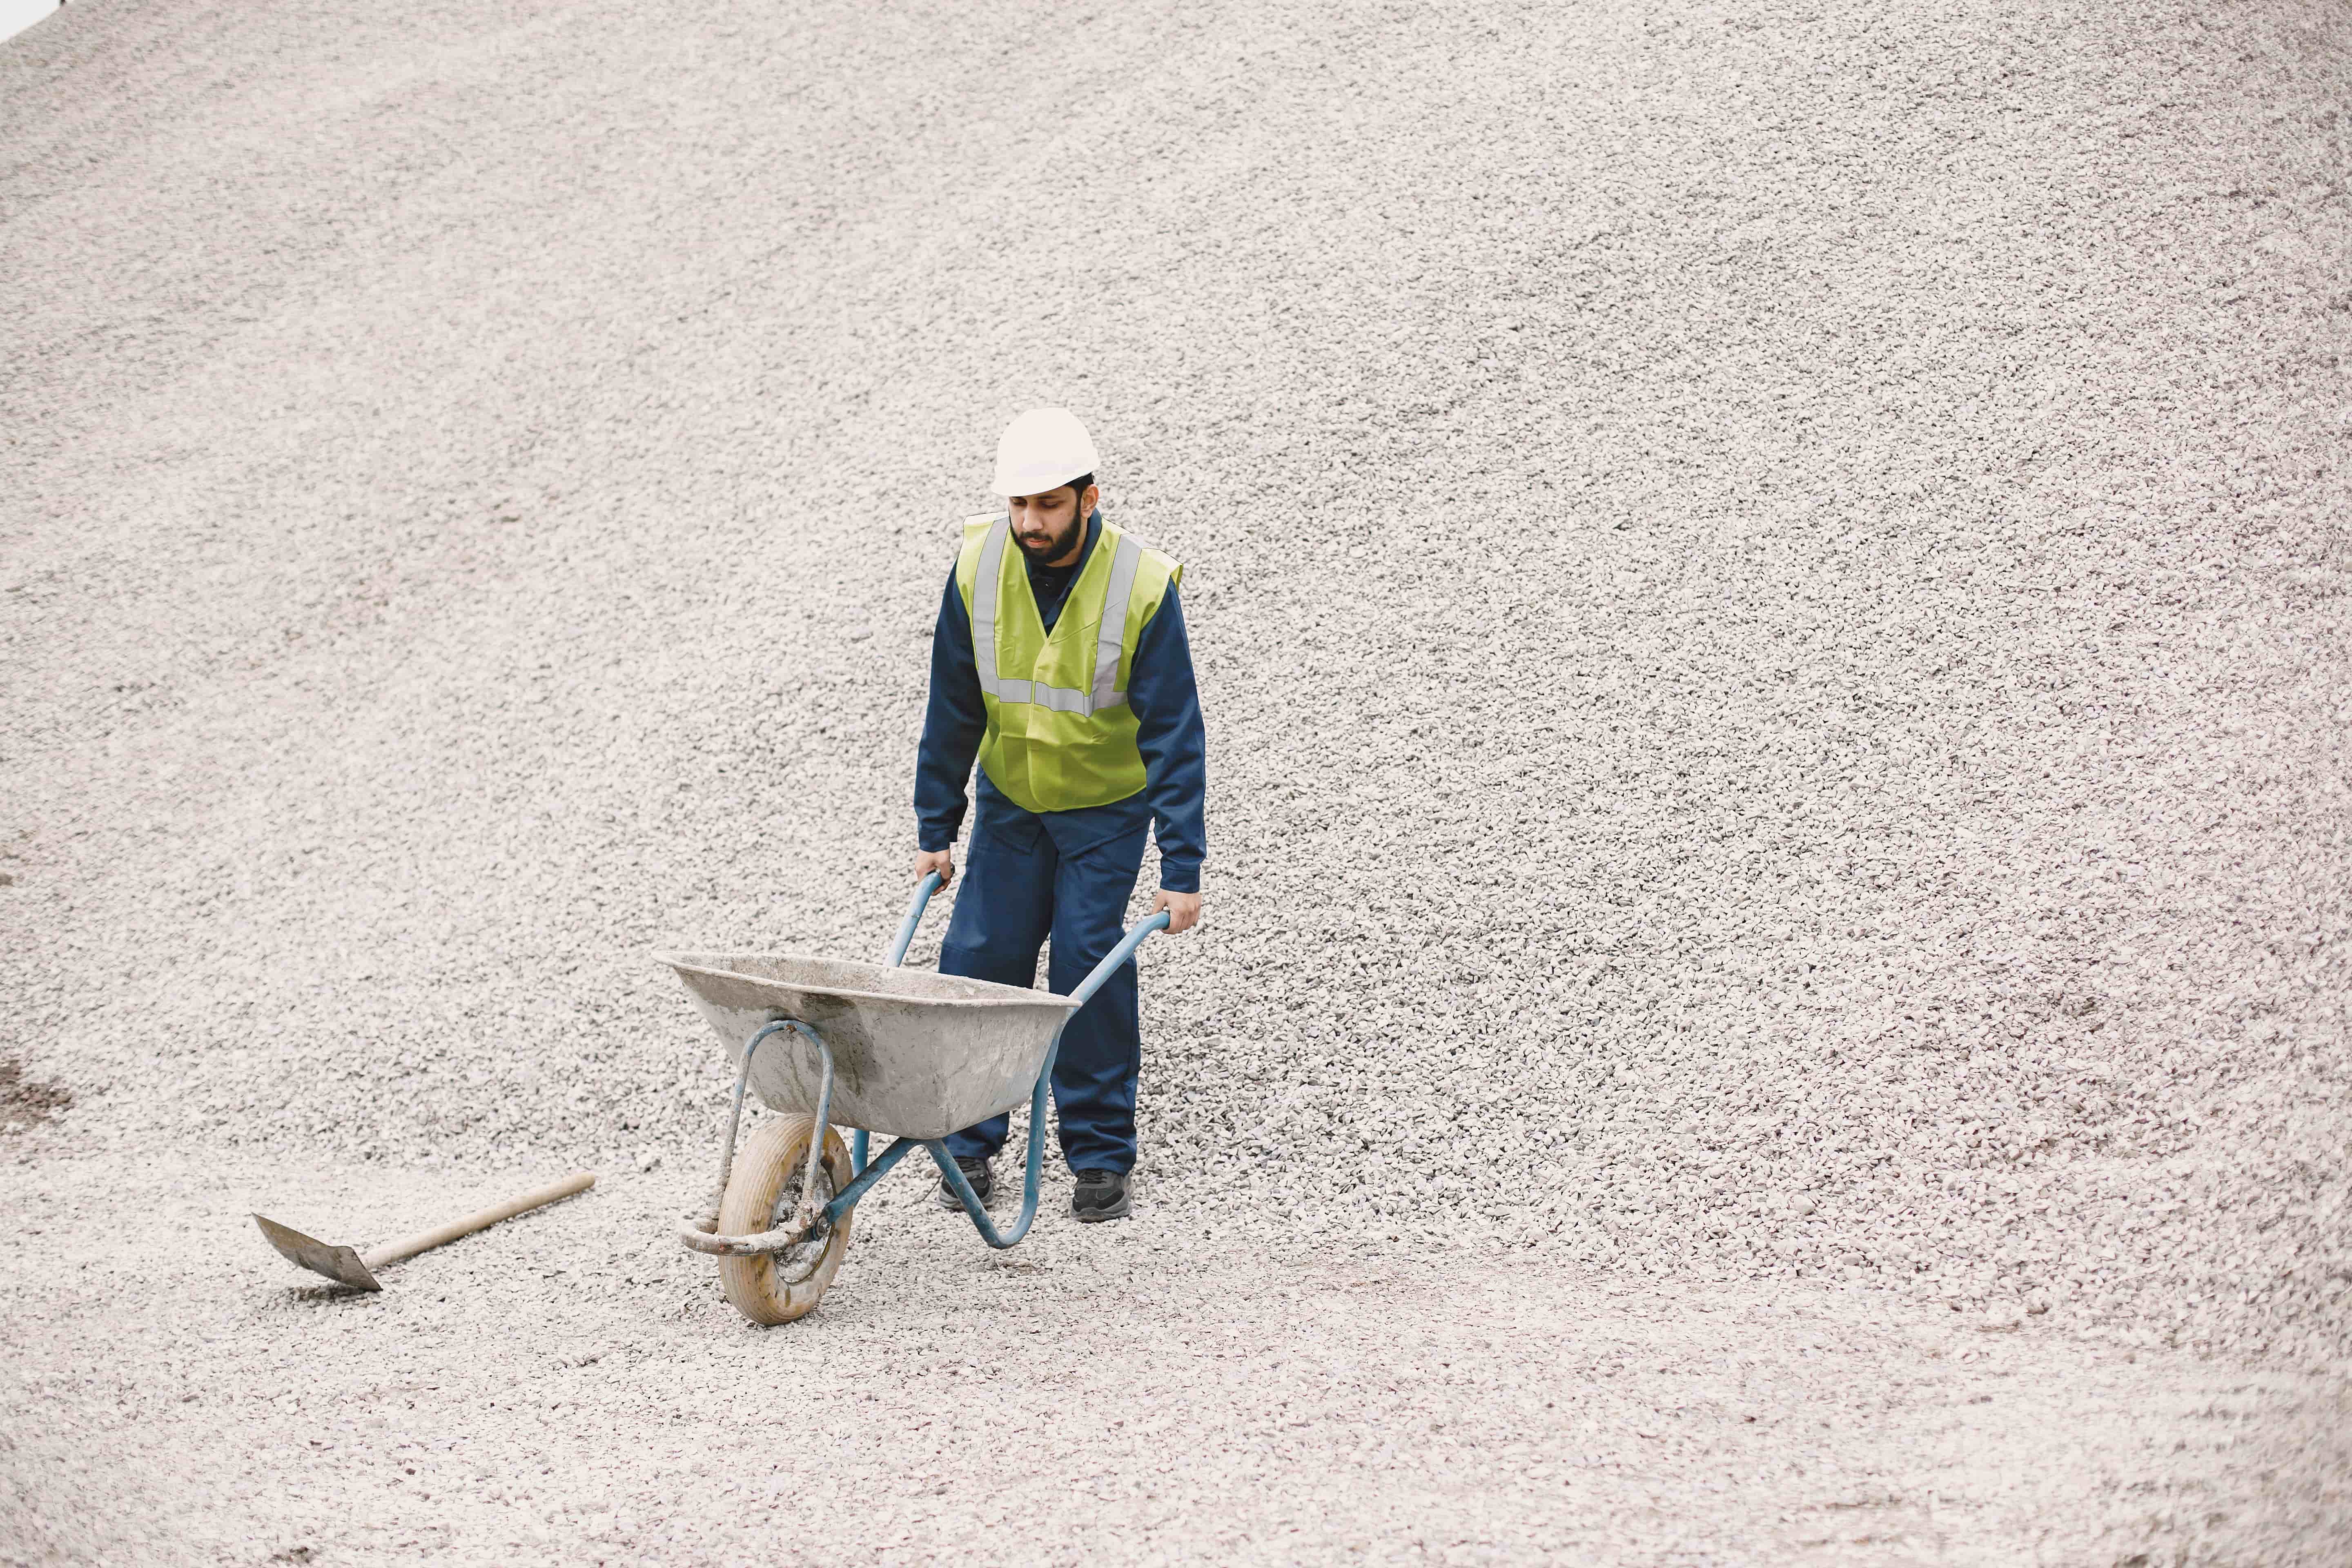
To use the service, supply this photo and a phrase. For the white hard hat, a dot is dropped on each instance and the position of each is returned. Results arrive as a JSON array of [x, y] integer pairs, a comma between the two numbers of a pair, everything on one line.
[[1040, 450]]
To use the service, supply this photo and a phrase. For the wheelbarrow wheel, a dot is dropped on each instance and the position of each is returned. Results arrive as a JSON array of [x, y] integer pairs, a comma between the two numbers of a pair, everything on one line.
[[761, 1193]]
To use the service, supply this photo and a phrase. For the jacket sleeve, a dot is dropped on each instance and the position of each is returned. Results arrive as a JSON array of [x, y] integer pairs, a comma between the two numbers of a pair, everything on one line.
[[952, 726], [1167, 704]]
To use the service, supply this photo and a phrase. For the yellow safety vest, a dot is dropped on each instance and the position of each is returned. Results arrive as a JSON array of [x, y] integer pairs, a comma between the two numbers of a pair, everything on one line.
[[1060, 733]]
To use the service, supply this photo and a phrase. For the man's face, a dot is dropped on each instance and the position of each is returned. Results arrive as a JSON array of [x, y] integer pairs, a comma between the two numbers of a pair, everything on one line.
[[1052, 525]]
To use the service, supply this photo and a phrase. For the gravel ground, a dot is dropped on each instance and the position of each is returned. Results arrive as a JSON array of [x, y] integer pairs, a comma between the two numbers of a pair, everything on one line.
[[1297, 1404], [1772, 599]]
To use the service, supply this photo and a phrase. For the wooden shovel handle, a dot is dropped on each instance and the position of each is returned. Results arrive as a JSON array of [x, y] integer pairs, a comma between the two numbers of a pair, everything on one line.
[[424, 1241]]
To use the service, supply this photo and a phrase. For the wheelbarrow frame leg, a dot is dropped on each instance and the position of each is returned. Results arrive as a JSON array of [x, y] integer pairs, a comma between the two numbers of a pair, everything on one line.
[[735, 1116], [960, 1184]]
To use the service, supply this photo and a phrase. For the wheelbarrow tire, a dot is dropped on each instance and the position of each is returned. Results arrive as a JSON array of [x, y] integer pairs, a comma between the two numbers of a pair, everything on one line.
[[768, 1168]]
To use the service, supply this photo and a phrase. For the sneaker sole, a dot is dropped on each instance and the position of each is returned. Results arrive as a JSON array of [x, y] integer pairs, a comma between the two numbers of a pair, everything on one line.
[[954, 1205], [1095, 1216]]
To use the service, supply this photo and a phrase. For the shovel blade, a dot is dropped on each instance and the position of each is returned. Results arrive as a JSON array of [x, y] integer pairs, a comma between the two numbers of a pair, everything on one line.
[[340, 1264]]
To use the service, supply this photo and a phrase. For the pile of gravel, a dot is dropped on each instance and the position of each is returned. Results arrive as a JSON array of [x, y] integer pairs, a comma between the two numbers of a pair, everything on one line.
[[1768, 587]]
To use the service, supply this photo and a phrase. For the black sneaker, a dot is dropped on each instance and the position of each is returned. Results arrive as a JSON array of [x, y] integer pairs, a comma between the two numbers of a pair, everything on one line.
[[979, 1172], [1101, 1195]]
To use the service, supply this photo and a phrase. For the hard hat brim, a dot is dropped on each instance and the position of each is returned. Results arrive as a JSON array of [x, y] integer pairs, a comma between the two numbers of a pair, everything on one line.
[[1036, 481]]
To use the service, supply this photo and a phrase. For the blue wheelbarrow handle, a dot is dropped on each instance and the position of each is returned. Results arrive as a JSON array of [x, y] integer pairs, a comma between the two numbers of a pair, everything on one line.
[[930, 884], [1117, 955]]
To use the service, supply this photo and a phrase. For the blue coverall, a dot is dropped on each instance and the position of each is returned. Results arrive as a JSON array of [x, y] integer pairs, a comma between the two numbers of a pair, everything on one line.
[[1064, 874]]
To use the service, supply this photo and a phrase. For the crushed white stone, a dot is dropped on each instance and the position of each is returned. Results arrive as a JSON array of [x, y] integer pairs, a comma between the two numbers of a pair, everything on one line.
[[1770, 588]]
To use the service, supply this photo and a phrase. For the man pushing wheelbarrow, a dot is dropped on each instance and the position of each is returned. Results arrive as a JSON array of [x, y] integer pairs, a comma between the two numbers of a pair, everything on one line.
[[1060, 663]]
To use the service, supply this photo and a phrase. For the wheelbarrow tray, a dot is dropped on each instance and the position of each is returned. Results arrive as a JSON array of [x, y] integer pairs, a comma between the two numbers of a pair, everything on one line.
[[916, 1054]]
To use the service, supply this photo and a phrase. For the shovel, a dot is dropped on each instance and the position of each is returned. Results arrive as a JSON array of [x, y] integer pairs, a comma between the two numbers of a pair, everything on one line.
[[349, 1265]]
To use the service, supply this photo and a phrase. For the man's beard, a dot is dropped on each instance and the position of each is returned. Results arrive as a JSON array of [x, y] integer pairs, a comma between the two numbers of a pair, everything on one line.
[[1054, 549]]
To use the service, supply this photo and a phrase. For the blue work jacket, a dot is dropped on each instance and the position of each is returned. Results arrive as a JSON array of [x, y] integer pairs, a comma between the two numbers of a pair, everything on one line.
[[1159, 688]]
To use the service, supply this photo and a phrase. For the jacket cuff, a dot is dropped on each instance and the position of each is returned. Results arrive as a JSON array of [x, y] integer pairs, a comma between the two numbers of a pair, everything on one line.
[[1175, 877]]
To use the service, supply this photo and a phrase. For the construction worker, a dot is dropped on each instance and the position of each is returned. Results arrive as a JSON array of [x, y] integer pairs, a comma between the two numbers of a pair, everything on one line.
[[1060, 663]]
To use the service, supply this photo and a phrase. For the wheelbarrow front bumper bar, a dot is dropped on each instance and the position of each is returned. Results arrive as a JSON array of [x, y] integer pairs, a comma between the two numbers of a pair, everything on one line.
[[700, 1232]]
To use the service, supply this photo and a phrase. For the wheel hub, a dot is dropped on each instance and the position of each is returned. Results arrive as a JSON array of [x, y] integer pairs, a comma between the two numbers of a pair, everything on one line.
[[798, 1261]]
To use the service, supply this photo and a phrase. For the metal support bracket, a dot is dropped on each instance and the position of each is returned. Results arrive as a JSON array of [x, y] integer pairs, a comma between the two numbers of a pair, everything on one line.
[[810, 1219]]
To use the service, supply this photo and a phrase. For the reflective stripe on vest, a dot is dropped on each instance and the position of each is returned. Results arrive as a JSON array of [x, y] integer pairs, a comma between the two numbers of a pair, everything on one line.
[[1108, 639]]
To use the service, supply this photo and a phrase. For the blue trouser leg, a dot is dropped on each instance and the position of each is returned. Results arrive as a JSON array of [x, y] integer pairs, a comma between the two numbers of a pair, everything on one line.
[[1102, 1045], [1002, 911], [1027, 876]]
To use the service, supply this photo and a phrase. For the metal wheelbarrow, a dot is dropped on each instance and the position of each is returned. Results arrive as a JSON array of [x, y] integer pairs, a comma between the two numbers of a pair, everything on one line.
[[907, 1052]]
